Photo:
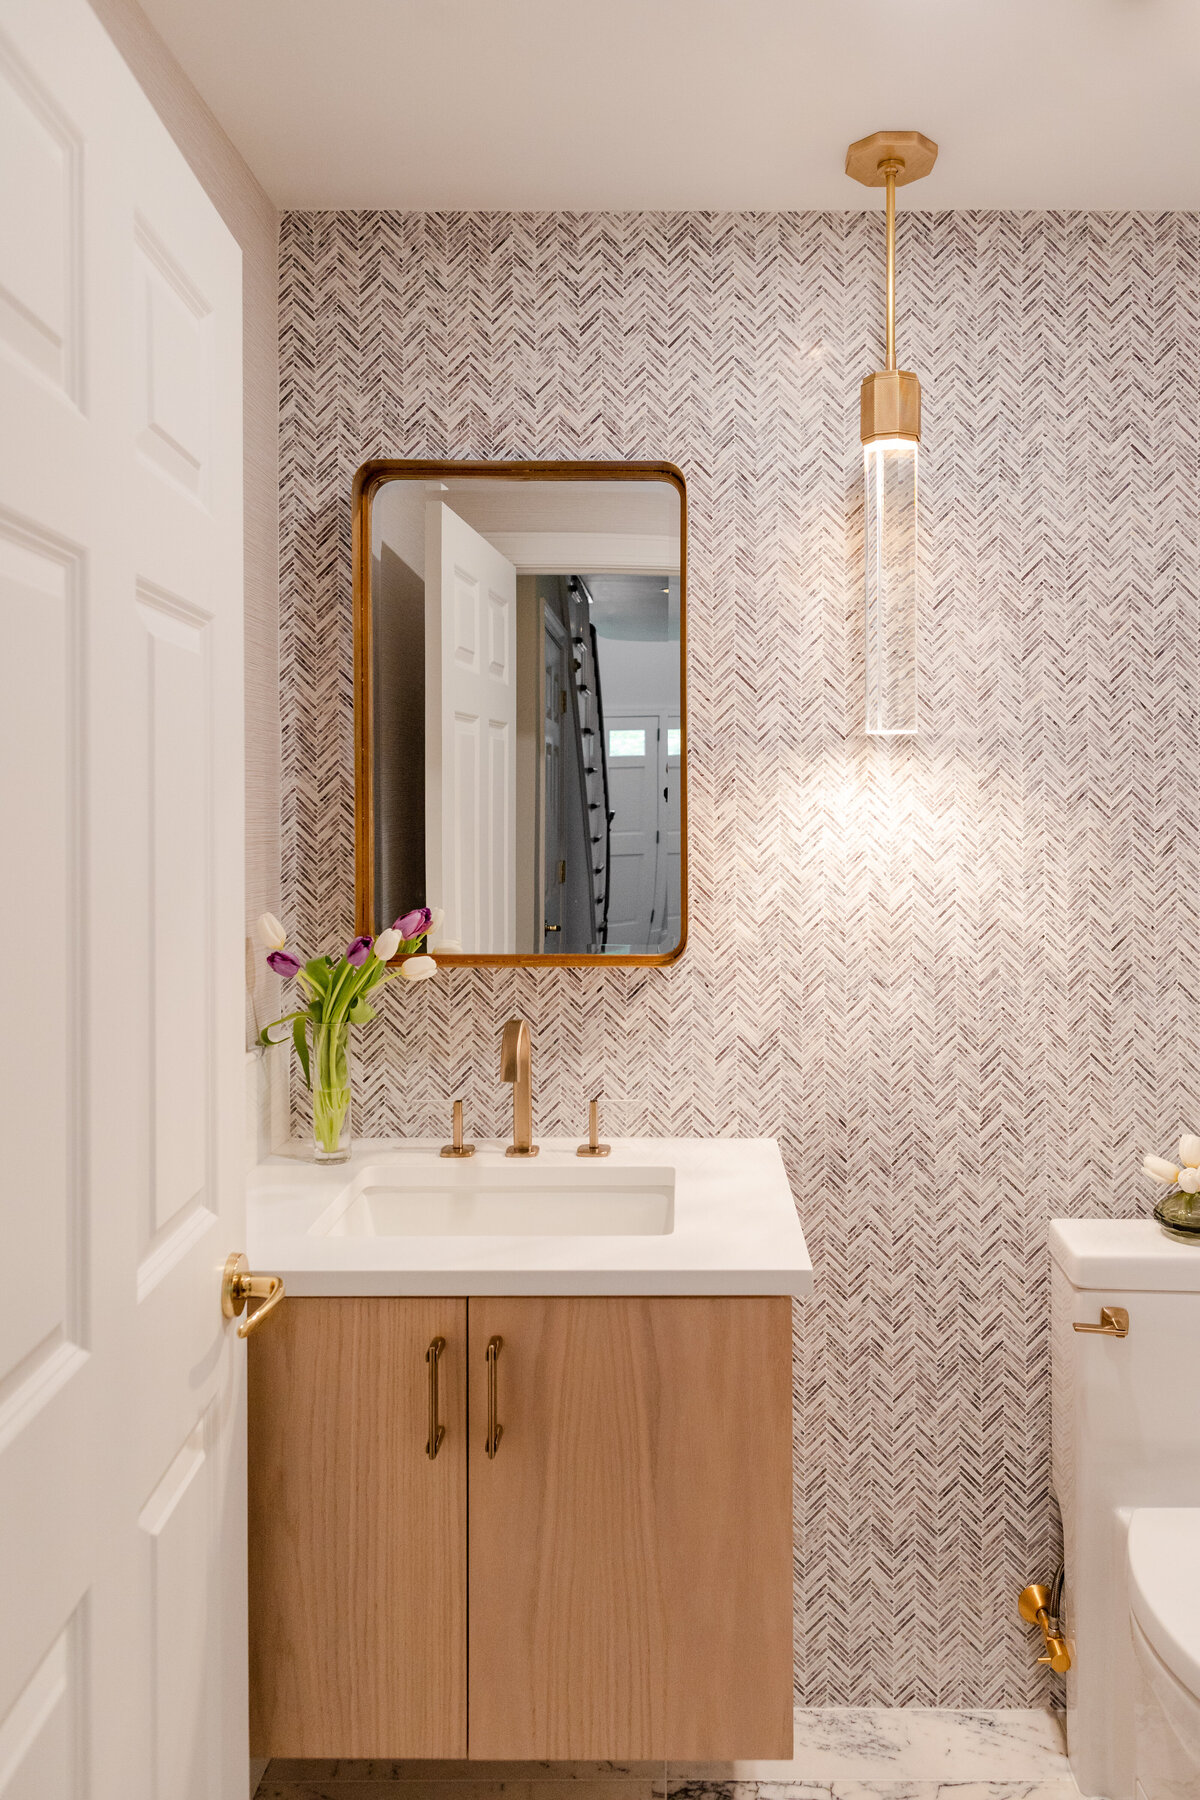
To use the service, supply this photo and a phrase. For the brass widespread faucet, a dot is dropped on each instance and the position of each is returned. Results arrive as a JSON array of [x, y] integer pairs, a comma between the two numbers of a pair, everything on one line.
[[516, 1066]]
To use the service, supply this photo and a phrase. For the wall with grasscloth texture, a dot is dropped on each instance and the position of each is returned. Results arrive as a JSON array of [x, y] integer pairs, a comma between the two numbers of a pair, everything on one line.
[[957, 976]]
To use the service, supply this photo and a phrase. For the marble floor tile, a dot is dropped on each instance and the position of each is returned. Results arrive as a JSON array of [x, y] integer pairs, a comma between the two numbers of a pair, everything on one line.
[[901, 1743], [1059, 1788], [422, 1788], [853, 1753], [345, 1769]]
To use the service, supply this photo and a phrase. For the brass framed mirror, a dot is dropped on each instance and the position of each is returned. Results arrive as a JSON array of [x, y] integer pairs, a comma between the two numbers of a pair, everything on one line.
[[520, 707]]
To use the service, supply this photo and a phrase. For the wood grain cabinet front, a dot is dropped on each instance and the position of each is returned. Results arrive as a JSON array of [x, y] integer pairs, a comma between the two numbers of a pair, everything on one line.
[[630, 1588], [358, 1538], [627, 1589]]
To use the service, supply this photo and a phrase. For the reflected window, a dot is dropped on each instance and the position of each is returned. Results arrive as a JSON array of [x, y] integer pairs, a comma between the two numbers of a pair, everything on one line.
[[627, 743], [674, 741]]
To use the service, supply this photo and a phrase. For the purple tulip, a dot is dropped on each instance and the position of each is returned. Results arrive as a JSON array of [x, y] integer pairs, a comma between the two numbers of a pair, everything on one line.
[[414, 924], [284, 963], [358, 952]]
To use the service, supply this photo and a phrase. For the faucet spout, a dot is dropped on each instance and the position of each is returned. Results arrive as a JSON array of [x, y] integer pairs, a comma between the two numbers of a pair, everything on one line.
[[516, 1065]]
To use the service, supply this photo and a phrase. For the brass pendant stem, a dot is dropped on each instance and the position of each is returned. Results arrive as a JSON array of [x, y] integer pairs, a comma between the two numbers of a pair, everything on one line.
[[890, 169]]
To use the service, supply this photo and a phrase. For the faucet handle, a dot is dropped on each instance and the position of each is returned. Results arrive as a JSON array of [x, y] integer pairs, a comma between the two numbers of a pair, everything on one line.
[[594, 1147], [457, 1148]]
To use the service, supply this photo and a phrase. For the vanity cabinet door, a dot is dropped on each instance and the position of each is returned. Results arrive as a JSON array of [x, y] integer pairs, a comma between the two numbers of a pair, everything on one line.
[[358, 1539], [631, 1537]]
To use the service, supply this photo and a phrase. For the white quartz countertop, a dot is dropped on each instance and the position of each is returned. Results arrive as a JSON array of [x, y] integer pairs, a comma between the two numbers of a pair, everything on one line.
[[733, 1223]]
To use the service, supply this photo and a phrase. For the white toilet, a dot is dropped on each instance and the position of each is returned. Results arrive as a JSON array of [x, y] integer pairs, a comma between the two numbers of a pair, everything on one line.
[[1164, 1604], [1126, 1472]]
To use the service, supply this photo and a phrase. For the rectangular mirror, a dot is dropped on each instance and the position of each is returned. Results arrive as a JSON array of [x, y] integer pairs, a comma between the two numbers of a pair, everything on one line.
[[520, 716]]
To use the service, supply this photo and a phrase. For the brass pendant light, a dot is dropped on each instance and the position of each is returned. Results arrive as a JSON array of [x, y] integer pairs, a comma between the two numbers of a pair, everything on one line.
[[891, 434]]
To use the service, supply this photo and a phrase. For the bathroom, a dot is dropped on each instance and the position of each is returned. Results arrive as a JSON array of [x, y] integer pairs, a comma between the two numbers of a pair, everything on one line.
[[925, 993]]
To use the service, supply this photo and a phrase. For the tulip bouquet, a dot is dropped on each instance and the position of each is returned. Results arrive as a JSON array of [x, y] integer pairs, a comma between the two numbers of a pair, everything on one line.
[[334, 991], [1178, 1212]]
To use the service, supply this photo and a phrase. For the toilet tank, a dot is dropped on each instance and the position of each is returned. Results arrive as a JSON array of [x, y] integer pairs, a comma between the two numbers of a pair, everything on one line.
[[1126, 1433]]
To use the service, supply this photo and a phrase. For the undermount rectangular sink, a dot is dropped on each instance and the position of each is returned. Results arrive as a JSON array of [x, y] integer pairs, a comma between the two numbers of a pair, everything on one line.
[[468, 1200]]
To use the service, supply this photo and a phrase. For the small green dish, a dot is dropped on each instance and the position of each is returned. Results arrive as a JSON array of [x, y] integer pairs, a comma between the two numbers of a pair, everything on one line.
[[1179, 1216]]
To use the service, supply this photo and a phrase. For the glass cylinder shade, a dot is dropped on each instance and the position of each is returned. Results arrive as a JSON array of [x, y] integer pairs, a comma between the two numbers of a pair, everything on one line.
[[890, 466]]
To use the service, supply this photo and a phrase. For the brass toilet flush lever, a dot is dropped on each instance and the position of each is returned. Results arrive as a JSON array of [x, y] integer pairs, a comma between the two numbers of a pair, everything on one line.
[[457, 1147], [1114, 1322]]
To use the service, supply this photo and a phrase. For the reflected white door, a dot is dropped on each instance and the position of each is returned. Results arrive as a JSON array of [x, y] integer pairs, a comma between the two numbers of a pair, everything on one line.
[[668, 904], [122, 1550], [633, 769], [554, 833], [470, 735]]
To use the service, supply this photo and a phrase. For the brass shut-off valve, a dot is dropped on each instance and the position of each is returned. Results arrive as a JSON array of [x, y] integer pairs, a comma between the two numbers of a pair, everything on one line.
[[1034, 1607]]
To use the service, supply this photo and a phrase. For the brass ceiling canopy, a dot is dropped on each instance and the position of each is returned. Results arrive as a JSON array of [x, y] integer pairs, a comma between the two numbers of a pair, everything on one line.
[[891, 398], [912, 150]]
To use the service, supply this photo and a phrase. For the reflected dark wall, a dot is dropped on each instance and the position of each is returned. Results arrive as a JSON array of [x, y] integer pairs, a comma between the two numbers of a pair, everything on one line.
[[398, 622]]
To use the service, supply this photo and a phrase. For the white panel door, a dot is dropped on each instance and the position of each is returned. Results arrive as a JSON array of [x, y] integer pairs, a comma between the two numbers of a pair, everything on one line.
[[470, 735], [122, 1549], [633, 767]]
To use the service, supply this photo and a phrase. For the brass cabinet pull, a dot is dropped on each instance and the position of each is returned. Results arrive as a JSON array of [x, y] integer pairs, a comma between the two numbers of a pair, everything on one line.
[[238, 1286], [495, 1430], [436, 1432], [1114, 1322]]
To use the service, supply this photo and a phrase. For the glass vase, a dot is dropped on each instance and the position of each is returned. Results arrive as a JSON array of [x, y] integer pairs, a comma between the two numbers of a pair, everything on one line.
[[330, 1066]]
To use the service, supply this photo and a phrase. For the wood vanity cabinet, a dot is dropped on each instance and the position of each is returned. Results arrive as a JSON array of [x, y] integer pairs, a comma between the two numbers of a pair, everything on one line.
[[358, 1581], [624, 1589]]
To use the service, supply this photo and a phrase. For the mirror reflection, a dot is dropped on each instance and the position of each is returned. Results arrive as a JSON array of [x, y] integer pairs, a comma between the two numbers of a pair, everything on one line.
[[526, 745]]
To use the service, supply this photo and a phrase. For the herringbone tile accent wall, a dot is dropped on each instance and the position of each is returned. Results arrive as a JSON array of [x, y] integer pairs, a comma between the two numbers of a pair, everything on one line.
[[957, 976]]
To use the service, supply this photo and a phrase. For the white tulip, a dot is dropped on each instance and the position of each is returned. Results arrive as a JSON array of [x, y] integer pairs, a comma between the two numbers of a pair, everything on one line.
[[1189, 1150], [1189, 1180], [387, 944], [435, 923], [418, 968], [1158, 1170], [271, 931]]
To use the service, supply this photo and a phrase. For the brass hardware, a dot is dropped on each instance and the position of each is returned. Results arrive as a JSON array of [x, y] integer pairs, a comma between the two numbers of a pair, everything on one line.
[[594, 1147], [238, 1286], [889, 405], [433, 1442], [890, 399], [516, 1066], [457, 1147], [1034, 1607], [867, 159], [368, 480], [553, 928], [1114, 1322], [495, 1431]]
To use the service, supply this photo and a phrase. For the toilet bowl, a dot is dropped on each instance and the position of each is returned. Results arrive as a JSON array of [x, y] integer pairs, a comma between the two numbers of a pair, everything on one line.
[[1164, 1616], [1126, 1439]]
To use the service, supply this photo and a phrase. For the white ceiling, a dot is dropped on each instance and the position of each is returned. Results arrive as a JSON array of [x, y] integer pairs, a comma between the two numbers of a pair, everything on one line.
[[627, 104]]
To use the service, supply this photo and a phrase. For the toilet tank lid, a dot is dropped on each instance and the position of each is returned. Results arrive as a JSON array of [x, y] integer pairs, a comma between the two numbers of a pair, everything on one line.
[[1131, 1254], [1164, 1585]]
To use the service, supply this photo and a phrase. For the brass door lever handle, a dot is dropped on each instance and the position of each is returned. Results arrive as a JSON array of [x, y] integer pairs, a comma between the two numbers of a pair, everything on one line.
[[239, 1286], [1114, 1322]]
